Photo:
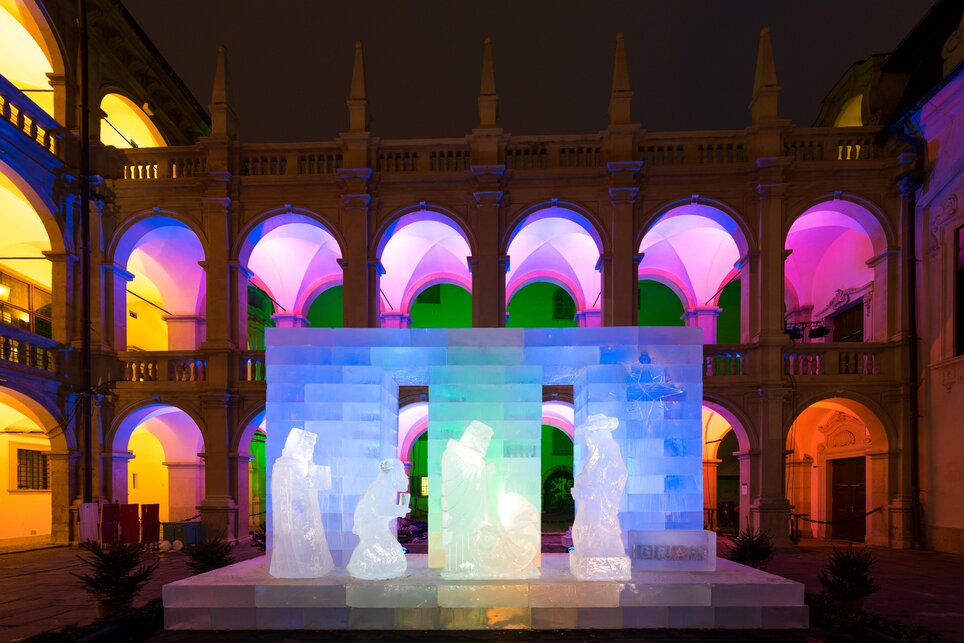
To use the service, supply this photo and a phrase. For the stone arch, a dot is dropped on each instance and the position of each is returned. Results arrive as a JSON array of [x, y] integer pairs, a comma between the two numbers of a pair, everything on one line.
[[548, 276], [136, 412], [867, 213], [241, 251], [42, 204], [129, 108], [135, 226], [432, 280], [36, 22], [246, 429], [559, 414], [313, 290], [412, 424], [744, 430], [746, 241], [587, 219], [671, 281], [435, 212]]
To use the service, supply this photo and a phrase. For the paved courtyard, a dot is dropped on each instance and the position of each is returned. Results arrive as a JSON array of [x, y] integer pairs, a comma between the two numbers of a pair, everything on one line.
[[37, 593]]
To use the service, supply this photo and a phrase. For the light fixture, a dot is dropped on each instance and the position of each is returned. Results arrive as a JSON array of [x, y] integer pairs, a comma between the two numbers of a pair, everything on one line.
[[4, 292], [818, 331]]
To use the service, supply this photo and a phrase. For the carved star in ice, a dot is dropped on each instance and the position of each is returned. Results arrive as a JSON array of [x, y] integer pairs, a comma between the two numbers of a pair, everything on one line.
[[656, 389]]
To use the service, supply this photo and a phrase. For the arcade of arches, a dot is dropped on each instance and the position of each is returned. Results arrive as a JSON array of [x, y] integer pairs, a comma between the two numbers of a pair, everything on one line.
[[784, 249]]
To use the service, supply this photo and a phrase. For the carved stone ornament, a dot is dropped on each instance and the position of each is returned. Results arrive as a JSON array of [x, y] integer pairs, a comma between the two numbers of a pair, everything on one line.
[[940, 215], [844, 439]]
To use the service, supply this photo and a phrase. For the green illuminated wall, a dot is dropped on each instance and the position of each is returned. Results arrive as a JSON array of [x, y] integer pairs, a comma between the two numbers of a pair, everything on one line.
[[442, 306], [328, 309], [728, 323], [658, 305], [541, 305]]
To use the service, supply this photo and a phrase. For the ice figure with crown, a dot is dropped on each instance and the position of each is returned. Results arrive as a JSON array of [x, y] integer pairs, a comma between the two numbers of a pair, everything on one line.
[[300, 547], [596, 534], [477, 544], [378, 555]]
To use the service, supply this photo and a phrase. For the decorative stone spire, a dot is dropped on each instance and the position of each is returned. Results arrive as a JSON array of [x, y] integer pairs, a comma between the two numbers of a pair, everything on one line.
[[620, 99], [358, 117], [488, 99], [766, 91], [223, 119]]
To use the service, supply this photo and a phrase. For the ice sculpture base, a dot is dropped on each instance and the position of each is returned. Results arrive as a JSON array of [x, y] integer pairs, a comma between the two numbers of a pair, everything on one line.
[[244, 597], [600, 567], [673, 550]]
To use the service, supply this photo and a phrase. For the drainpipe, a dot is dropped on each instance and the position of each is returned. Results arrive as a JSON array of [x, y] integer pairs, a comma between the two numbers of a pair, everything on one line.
[[85, 352], [909, 182]]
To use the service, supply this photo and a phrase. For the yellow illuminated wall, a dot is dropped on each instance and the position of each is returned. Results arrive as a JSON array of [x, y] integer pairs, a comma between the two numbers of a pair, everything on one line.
[[148, 330], [23, 235], [124, 122], [850, 114], [22, 59], [24, 513], [147, 481]]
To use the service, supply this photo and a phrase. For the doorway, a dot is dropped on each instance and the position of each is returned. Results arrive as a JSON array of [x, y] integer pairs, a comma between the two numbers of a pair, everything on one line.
[[849, 499]]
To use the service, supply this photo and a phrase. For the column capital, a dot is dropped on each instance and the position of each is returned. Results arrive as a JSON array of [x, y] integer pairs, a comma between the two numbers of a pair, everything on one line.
[[118, 270], [626, 195], [479, 171], [488, 198], [624, 167], [358, 201], [241, 268], [353, 173]]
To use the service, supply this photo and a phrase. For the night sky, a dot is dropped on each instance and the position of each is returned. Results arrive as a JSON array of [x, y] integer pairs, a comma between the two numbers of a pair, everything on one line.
[[691, 62]]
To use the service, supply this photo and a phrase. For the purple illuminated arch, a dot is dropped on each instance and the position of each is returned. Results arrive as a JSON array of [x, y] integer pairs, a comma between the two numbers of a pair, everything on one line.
[[293, 256], [412, 424], [672, 281], [558, 244], [418, 249], [695, 247], [560, 415], [178, 432]]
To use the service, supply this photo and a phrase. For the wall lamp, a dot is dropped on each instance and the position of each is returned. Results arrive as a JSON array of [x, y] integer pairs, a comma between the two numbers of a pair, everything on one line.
[[812, 329]]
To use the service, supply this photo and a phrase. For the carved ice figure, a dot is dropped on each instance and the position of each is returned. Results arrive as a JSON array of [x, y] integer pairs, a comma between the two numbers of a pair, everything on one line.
[[300, 547], [378, 555], [596, 534], [476, 544]]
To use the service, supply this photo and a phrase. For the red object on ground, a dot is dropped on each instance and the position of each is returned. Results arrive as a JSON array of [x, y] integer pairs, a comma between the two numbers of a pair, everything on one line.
[[109, 523], [150, 524], [130, 523]]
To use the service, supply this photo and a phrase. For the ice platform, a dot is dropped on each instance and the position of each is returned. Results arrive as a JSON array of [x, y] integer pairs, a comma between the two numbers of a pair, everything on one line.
[[245, 597]]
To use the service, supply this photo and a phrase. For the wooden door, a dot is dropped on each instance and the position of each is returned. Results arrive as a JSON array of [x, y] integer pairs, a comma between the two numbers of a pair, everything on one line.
[[849, 500]]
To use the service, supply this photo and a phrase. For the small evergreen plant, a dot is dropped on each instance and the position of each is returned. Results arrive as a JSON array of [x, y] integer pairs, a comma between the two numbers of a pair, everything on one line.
[[259, 539], [116, 573], [847, 577], [210, 553], [753, 548]]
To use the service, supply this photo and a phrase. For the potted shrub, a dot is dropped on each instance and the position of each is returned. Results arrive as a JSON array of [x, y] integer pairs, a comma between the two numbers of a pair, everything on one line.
[[847, 577], [116, 572], [751, 548]]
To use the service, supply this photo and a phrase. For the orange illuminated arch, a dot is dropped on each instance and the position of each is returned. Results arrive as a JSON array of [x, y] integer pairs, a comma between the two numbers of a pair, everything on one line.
[[125, 125]]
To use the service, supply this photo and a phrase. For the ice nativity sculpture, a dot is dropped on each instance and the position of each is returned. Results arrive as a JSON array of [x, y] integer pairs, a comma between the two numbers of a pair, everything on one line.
[[378, 555], [637, 400], [480, 543]]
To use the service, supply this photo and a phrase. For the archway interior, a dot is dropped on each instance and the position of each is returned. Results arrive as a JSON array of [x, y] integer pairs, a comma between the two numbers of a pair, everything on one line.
[[165, 469], [23, 60], [124, 125], [541, 305], [293, 260], [658, 305], [695, 247], [560, 246], [721, 484], [420, 250], [25, 273], [257, 467], [828, 474], [165, 298], [442, 306], [826, 274], [25, 497]]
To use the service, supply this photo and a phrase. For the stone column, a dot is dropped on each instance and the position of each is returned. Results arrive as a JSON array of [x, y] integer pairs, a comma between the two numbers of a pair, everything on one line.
[[185, 489], [116, 279], [115, 463], [59, 463], [878, 495], [488, 265], [770, 509], [183, 332], [238, 279], [218, 295], [749, 266], [395, 320], [360, 284], [749, 461], [878, 303], [218, 509], [589, 318], [288, 320], [62, 301], [709, 484], [619, 275], [704, 317]]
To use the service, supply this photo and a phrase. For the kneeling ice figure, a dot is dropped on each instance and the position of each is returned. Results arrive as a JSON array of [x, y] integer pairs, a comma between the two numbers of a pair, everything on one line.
[[378, 555], [300, 546], [476, 544], [596, 534]]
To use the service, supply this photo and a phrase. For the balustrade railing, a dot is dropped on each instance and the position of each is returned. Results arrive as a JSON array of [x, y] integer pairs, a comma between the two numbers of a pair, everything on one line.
[[34, 123], [253, 367], [431, 156], [836, 144], [692, 148], [552, 152], [18, 350], [724, 361], [149, 163], [814, 360], [163, 367]]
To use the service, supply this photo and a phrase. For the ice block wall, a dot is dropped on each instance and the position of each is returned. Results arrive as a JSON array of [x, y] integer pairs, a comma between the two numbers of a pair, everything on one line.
[[343, 384]]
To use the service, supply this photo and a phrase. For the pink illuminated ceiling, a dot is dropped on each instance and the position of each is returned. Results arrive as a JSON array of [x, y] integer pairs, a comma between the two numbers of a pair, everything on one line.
[[293, 258], [421, 249], [177, 432], [556, 245], [693, 249], [164, 256], [830, 248]]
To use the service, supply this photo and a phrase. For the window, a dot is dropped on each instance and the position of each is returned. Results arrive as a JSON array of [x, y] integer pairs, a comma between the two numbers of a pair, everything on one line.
[[563, 307], [561, 444], [24, 305], [959, 295], [32, 469], [431, 295]]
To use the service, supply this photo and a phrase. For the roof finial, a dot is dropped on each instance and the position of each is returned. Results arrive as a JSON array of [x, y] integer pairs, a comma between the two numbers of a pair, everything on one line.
[[358, 117], [488, 99], [766, 91], [223, 118], [620, 99]]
